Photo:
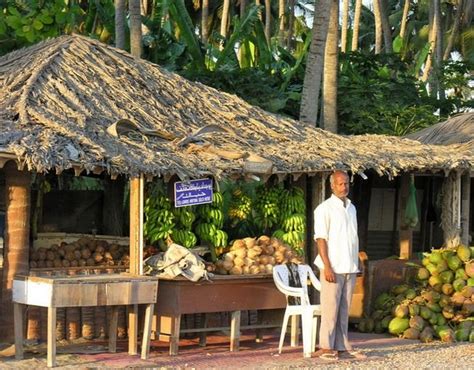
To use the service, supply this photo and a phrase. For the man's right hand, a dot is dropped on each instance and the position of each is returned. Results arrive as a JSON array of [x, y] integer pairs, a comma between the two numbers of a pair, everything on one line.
[[329, 274]]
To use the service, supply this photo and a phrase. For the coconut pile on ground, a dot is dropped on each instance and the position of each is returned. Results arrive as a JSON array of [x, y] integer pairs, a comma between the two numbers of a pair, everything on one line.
[[439, 304]]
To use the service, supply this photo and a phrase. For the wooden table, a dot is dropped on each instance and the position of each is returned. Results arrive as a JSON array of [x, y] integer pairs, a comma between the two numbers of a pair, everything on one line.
[[86, 291], [223, 293]]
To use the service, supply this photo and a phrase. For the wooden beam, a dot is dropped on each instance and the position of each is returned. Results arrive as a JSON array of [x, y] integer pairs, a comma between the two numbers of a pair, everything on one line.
[[465, 207], [405, 233], [136, 225]]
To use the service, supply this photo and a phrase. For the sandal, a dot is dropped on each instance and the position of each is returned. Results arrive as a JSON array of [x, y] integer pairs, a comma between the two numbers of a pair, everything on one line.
[[327, 355], [353, 354]]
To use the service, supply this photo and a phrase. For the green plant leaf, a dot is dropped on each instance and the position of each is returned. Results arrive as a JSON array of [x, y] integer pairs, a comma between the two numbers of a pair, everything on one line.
[[397, 44], [37, 24]]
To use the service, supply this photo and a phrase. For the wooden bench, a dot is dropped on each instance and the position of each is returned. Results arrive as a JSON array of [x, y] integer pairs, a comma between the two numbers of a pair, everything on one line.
[[86, 291]]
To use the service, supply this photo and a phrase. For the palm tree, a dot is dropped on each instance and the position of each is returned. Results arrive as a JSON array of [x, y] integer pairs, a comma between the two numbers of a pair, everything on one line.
[[204, 21], [455, 30], [314, 63], [17, 239], [387, 32], [329, 105], [120, 24], [403, 25], [432, 40], [281, 21], [268, 20], [225, 17], [135, 28], [345, 21], [378, 26], [355, 27]]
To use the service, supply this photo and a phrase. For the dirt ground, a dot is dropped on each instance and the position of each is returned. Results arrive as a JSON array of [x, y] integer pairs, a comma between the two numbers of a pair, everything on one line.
[[382, 352]]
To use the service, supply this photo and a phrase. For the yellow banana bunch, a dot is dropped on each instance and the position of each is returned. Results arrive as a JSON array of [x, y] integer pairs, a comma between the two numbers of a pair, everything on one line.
[[294, 222], [294, 239], [240, 206]]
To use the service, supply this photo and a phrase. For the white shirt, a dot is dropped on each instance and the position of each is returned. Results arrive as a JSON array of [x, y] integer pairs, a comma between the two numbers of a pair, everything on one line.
[[337, 224]]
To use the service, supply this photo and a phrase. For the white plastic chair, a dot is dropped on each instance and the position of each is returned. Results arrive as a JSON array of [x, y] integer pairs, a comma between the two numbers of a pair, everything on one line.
[[309, 313]]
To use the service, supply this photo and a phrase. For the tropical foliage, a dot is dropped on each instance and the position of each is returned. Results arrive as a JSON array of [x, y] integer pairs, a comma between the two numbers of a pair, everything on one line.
[[396, 74]]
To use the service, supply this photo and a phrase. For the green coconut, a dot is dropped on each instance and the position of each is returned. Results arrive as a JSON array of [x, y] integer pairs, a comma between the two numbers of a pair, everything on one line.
[[447, 289], [446, 253], [469, 269], [432, 269], [414, 309], [411, 333], [435, 280], [471, 337], [435, 307], [447, 335], [448, 312], [410, 293], [464, 253], [468, 307], [433, 319], [401, 311], [378, 327], [431, 296], [382, 300], [386, 321], [461, 274], [466, 324], [425, 312], [458, 284], [441, 319], [378, 315], [423, 274], [427, 335], [457, 299], [472, 252], [435, 257], [417, 322], [425, 261], [467, 291], [362, 326], [444, 300], [470, 282], [454, 263], [398, 325], [370, 324], [447, 276], [399, 289], [442, 266]]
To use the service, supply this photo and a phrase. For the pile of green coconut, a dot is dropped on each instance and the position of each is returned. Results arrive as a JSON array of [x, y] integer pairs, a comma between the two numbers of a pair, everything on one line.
[[438, 303]]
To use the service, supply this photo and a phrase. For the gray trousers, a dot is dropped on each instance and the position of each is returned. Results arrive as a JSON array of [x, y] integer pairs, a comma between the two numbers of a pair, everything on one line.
[[335, 302]]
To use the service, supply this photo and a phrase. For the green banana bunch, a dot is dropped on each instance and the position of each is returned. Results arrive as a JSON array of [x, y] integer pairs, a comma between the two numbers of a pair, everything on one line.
[[185, 238], [159, 219], [267, 206], [294, 222], [184, 217], [293, 201], [294, 239]]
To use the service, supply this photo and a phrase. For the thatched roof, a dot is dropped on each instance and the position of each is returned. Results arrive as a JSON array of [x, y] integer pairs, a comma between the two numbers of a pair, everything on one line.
[[58, 97], [456, 130]]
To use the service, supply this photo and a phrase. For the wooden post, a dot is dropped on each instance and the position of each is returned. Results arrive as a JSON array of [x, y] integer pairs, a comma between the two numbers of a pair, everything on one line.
[[113, 329], [136, 226], [465, 207], [235, 331], [405, 233], [51, 355], [17, 240]]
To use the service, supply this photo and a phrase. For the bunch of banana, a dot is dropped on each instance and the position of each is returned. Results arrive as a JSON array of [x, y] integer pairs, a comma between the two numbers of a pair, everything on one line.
[[184, 217], [209, 223], [185, 238], [292, 223], [240, 206], [267, 206], [159, 218]]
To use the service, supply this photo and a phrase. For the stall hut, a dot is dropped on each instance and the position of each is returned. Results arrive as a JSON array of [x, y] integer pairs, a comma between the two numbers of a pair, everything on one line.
[[455, 219], [74, 104]]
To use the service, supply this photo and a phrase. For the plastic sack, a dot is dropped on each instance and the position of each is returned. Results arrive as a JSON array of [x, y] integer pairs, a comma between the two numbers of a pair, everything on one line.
[[411, 210]]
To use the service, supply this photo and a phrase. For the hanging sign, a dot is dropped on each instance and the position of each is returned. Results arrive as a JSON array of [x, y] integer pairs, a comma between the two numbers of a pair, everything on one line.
[[192, 192]]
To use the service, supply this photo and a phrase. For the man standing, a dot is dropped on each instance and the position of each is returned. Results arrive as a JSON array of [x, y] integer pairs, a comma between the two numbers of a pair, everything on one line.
[[335, 225]]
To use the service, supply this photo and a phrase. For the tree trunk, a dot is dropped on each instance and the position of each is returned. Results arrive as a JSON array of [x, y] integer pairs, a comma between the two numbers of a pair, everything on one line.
[[378, 27], [439, 51], [455, 30], [387, 32], [355, 28], [281, 21], [135, 28], [291, 23], [204, 21], [432, 41], [243, 7], [403, 26], [330, 71], [17, 239], [258, 3], [314, 64], [345, 21], [225, 17], [268, 20], [120, 24]]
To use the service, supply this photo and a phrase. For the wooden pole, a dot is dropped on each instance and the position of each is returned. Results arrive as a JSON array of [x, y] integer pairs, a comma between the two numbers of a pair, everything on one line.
[[465, 207], [405, 232], [17, 240]]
